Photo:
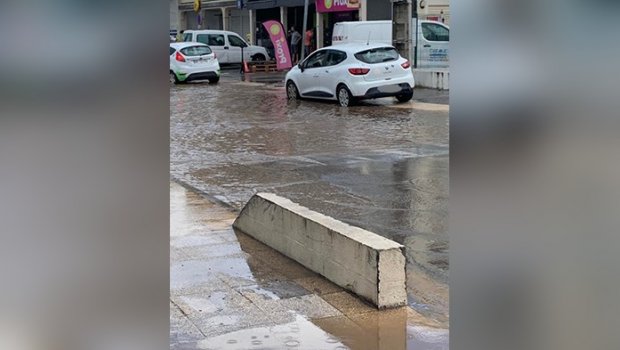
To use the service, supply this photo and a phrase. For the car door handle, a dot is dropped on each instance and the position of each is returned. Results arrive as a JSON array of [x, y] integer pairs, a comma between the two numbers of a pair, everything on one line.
[[326, 71], [315, 76], [226, 47], [427, 45]]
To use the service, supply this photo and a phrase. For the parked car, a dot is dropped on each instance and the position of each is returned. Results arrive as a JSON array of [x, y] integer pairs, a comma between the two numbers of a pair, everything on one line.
[[351, 72], [433, 38], [193, 61], [227, 45]]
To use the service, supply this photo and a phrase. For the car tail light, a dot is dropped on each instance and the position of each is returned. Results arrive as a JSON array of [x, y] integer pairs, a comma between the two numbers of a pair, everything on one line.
[[406, 64], [214, 55], [180, 57], [359, 71]]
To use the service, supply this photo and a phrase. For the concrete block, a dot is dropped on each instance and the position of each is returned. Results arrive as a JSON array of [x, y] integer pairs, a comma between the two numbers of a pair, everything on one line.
[[434, 78], [363, 262]]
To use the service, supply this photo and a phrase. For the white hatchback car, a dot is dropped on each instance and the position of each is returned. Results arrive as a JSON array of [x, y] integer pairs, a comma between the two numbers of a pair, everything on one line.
[[351, 72], [193, 61]]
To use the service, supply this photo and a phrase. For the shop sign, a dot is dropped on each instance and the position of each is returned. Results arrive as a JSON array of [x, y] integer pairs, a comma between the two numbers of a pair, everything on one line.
[[280, 46], [337, 5]]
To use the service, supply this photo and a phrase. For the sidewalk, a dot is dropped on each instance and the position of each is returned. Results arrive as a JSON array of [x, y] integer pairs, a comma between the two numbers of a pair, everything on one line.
[[229, 291]]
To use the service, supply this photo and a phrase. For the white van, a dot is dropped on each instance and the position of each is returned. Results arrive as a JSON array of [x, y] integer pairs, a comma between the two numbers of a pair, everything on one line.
[[227, 45], [433, 38]]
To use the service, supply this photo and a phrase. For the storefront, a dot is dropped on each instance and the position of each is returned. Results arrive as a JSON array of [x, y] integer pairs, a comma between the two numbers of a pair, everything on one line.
[[333, 11], [322, 15], [288, 12]]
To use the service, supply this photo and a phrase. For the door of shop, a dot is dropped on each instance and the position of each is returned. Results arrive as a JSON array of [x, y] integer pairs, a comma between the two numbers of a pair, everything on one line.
[[335, 17]]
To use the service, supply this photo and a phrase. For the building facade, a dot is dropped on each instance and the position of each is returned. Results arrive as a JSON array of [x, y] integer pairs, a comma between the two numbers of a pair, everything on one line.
[[435, 10], [322, 14]]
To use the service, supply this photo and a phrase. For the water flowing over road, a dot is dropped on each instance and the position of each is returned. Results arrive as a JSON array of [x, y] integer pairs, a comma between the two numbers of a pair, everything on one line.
[[379, 165]]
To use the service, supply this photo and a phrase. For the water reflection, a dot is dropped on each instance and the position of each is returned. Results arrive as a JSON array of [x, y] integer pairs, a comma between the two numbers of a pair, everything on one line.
[[380, 168]]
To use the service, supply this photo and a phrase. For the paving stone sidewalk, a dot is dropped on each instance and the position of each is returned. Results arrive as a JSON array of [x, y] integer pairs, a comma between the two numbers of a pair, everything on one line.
[[229, 291]]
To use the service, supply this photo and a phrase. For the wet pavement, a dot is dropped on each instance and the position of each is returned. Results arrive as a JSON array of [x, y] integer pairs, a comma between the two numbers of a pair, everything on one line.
[[381, 166], [229, 291], [277, 78]]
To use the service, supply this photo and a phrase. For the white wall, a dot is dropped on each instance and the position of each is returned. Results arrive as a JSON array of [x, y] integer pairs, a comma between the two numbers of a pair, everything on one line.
[[189, 20], [212, 19], [235, 22], [434, 8], [174, 14]]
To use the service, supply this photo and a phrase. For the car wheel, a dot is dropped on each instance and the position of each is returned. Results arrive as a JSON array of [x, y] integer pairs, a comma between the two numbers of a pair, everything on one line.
[[259, 57], [291, 91], [214, 80], [173, 78], [405, 97], [345, 98]]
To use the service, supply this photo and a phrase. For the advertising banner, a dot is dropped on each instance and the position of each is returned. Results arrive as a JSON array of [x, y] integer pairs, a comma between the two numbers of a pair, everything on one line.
[[337, 5], [280, 46]]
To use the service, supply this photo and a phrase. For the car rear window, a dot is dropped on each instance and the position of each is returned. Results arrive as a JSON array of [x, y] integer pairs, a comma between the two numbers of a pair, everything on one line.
[[196, 50], [378, 55]]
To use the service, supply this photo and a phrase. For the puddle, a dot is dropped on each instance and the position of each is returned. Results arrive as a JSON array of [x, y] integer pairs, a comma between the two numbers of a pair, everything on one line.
[[300, 334]]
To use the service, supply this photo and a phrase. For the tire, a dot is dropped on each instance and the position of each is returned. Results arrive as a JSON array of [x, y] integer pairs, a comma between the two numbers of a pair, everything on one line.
[[214, 80], [345, 98], [292, 93], [406, 97], [173, 78], [259, 57]]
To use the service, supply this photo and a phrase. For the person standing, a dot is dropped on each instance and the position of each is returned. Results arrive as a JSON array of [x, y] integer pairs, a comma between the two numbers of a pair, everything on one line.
[[295, 40], [308, 42]]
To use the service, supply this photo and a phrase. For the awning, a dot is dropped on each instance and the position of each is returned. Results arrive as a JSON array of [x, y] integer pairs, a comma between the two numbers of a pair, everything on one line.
[[267, 4], [205, 5], [323, 6]]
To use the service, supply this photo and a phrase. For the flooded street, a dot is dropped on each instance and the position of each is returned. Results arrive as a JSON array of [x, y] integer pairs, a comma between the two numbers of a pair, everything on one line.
[[379, 166]]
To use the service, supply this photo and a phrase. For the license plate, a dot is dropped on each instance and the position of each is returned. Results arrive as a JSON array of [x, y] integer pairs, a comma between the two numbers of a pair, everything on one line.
[[390, 88]]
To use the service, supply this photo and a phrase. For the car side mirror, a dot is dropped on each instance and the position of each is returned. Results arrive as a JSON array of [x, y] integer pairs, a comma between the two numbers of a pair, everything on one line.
[[301, 67]]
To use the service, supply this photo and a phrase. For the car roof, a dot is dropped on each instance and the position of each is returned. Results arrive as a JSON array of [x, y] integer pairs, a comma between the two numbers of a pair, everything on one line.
[[207, 31], [429, 21], [356, 47], [182, 45]]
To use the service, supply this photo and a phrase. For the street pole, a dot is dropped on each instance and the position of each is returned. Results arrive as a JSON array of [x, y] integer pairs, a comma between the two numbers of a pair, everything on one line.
[[243, 36], [415, 53], [303, 33], [240, 7], [402, 17]]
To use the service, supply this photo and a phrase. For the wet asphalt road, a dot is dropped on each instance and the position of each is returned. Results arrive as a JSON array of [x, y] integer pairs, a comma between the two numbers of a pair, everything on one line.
[[380, 166]]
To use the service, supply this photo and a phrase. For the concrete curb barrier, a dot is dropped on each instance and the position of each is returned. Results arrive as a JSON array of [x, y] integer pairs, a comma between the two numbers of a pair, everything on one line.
[[434, 78], [363, 262]]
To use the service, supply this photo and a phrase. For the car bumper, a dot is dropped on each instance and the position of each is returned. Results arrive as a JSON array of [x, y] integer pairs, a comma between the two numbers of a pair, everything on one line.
[[384, 88], [388, 91], [202, 76], [189, 73]]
